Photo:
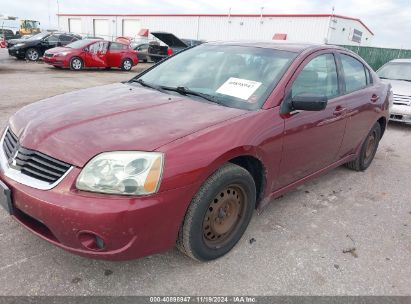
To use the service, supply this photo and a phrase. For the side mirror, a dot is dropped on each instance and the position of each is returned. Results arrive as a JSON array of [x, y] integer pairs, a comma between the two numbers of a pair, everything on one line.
[[309, 102], [86, 49]]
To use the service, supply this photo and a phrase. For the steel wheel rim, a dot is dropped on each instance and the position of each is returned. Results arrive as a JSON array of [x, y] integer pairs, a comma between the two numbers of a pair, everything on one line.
[[127, 65], [224, 216], [370, 145], [33, 55], [76, 64]]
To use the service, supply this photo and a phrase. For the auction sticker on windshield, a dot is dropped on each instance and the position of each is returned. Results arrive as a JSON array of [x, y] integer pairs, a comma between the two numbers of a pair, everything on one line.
[[240, 88]]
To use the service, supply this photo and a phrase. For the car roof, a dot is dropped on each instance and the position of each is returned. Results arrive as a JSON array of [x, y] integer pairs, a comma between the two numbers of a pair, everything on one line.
[[403, 60], [296, 47]]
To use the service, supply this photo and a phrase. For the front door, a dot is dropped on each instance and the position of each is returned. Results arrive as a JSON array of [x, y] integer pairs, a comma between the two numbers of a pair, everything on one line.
[[96, 56], [312, 139]]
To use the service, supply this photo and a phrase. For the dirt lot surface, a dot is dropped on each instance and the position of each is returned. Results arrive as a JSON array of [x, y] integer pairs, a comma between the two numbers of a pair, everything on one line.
[[345, 233]]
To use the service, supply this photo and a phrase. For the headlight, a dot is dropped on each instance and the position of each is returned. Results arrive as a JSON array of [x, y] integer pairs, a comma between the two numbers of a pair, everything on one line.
[[61, 54], [19, 45], [127, 173]]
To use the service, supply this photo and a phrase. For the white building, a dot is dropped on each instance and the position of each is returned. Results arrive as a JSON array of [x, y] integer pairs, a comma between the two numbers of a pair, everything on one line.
[[326, 28]]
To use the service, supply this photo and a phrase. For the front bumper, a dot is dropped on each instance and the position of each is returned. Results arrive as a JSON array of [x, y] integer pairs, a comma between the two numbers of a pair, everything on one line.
[[17, 52], [400, 113], [56, 61], [129, 227]]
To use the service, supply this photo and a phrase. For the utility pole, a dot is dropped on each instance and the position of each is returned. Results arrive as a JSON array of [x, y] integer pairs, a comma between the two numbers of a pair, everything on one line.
[[327, 39], [58, 15]]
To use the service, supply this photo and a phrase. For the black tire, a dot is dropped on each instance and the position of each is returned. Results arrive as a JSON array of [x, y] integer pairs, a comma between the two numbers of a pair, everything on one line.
[[368, 150], [32, 54], [76, 64], [144, 60], [127, 64], [195, 235]]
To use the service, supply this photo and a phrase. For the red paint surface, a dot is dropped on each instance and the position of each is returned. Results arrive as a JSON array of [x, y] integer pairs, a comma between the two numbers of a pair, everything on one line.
[[111, 58], [196, 139]]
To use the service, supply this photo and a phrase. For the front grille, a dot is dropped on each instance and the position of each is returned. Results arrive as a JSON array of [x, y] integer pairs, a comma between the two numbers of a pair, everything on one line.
[[9, 143], [402, 100], [32, 163]]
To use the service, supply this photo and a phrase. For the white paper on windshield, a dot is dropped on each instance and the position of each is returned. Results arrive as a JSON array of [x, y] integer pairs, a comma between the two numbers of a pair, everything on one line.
[[240, 88]]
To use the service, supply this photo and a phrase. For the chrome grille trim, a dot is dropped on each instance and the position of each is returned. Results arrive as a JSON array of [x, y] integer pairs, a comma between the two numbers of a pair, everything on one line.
[[402, 99], [25, 169]]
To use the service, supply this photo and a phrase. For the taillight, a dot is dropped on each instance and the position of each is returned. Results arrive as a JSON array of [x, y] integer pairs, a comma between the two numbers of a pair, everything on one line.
[[169, 51]]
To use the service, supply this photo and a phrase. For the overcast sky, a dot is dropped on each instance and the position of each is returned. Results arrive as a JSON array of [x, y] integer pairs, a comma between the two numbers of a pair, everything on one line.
[[390, 20]]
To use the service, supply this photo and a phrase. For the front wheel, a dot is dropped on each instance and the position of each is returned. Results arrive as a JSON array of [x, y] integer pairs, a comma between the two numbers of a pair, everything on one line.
[[368, 150], [32, 54], [76, 64], [127, 65], [219, 214]]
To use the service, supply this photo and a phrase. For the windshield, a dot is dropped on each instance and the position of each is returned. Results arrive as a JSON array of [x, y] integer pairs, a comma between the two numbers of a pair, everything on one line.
[[396, 71], [80, 43], [39, 36], [234, 76]]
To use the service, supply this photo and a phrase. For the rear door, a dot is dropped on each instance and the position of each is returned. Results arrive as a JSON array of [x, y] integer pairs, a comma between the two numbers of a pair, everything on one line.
[[96, 55], [312, 139], [361, 97], [115, 54]]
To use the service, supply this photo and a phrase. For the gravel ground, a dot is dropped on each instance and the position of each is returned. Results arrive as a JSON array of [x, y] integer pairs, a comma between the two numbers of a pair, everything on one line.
[[295, 246]]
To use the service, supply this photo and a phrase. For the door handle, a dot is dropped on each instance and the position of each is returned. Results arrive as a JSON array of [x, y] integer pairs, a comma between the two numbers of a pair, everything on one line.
[[374, 98], [339, 110]]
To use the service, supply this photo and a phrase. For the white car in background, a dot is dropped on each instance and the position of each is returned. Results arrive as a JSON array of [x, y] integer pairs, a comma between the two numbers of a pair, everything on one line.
[[398, 73]]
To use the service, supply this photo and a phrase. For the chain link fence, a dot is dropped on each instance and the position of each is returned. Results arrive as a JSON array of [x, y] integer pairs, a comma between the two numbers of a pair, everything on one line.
[[377, 57]]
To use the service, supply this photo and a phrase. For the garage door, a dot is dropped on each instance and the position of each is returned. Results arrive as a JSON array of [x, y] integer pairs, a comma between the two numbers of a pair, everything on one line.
[[101, 28], [75, 25], [131, 27]]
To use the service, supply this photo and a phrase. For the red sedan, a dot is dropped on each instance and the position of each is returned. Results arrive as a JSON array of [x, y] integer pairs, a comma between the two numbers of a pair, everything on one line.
[[184, 152], [92, 53]]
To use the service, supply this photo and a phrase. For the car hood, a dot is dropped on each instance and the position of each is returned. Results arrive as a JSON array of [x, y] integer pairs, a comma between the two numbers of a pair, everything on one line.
[[76, 126], [58, 49], [26, 42], [399, 87]]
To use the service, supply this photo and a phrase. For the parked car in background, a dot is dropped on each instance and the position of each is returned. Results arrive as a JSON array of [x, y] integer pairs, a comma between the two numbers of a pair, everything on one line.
[[5, 35], [398, 73], [92, 53], [34, 47], [184, 152], [142, 51], [172, 45]]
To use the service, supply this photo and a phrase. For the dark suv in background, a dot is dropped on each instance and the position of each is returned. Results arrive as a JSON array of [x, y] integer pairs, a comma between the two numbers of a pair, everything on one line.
[[34, 47]]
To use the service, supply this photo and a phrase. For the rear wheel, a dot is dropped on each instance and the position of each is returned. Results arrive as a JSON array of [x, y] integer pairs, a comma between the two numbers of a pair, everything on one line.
[[32, 54], [127, 64], [368, 150], [76, 63], [219, 214]]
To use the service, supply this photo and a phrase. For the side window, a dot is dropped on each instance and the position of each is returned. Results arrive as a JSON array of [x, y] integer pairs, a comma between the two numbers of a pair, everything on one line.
[[117, 46], [354, 73], [65, 38], [100, 46], [52, 39], [319, 76]]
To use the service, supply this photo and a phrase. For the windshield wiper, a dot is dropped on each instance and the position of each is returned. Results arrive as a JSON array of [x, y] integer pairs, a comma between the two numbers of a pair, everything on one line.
[[404, 79], [147, 85], [186, 91]]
